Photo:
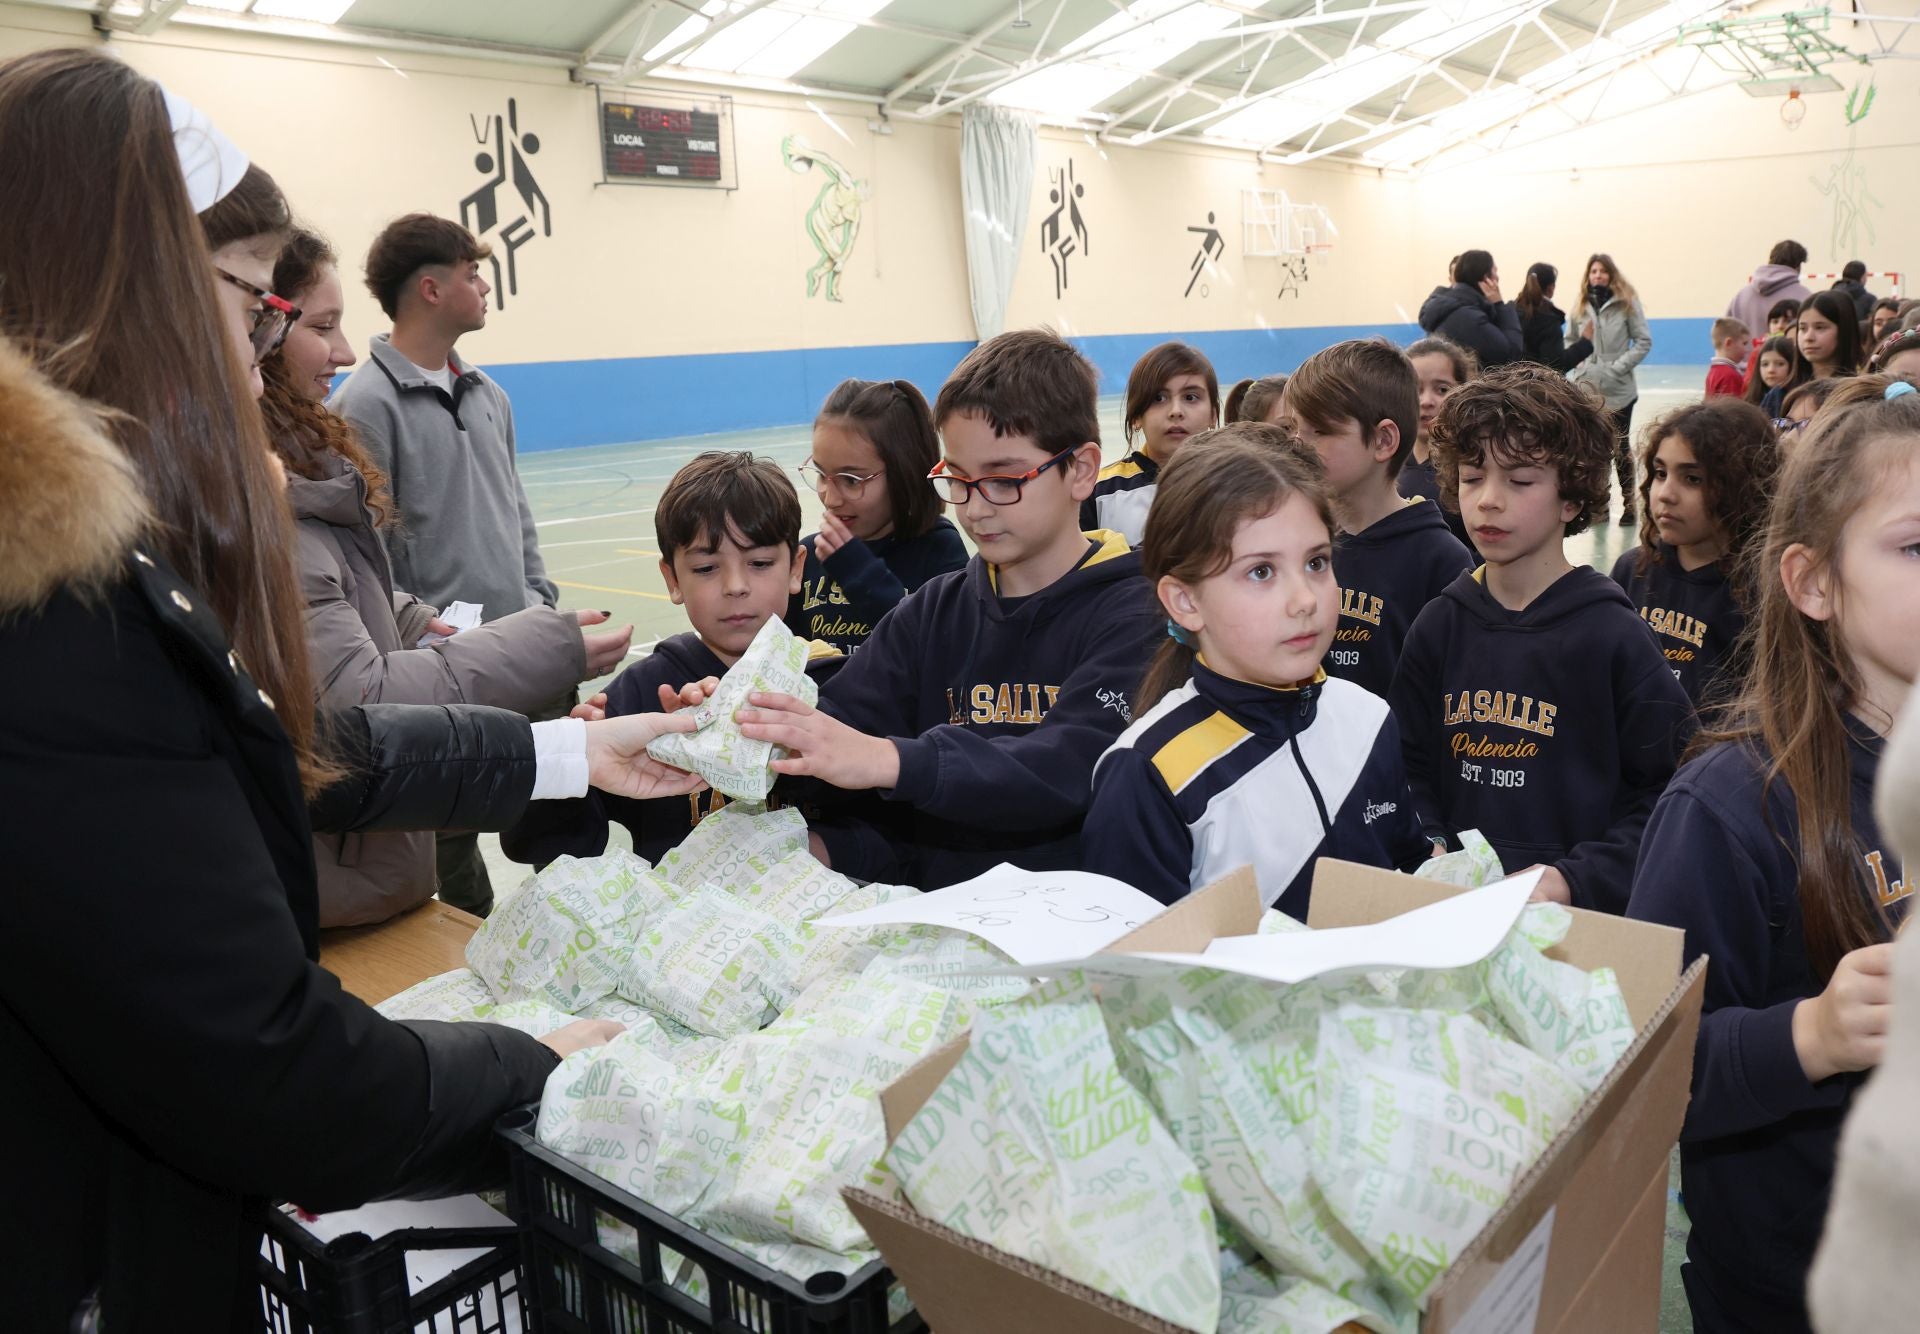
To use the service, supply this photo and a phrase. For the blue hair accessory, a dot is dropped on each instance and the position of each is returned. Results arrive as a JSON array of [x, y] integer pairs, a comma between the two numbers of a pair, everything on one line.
[[1182, 638], [1898, 388]]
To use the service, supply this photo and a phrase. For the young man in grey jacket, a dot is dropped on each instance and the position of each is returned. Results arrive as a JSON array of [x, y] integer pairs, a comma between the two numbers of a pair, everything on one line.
[[443, 433]]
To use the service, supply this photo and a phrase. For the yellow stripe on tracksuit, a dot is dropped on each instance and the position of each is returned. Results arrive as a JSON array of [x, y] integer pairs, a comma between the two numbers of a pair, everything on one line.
[[1182, 758]]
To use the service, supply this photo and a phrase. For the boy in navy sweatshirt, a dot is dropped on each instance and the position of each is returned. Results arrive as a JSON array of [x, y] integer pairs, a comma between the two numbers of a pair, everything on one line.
[[978, 707], [1533, 702], [1357, 404], [728, 526]]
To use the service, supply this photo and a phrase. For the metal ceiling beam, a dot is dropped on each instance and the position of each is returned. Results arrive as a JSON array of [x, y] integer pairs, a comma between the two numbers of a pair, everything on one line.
[[156, 16], [1060, 57], [1189, 84], [1513, 25], [1237, 104], [630, 15], [954, 56]]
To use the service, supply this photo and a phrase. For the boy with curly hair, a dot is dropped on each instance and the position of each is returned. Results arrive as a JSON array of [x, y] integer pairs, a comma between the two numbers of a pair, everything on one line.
[[1533, 702]]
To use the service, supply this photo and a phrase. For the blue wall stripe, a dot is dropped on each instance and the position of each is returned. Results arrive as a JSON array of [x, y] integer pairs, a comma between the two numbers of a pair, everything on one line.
[[562, 404]]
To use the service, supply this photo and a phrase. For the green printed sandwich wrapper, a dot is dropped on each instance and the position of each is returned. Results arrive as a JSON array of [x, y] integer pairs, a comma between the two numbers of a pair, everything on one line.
[[775, 663]]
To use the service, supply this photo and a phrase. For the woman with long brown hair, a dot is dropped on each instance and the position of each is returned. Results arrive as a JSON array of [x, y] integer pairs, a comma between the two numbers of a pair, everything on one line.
[[1765, 851], [365, 640], [172, 1050], [1610, 315]]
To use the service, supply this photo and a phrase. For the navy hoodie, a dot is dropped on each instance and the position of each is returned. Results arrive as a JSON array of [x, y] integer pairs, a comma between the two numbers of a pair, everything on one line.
[[1387, 574], [999, 709], [1222, 773], [1693, 615], [1422, 480], [1552, 730], [846, 594], [1720, 860], [578, 825]]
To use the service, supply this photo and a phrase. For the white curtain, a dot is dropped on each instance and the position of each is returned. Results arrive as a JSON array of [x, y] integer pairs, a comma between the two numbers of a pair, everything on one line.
[[998, 149]]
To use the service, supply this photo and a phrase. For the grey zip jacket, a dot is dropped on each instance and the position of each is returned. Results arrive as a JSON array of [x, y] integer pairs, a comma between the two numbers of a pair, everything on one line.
[[449, 460]]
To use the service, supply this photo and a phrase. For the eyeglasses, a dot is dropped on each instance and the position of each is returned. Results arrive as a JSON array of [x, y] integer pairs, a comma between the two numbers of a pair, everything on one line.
[[1000, 489], [1786, 424], [848, 484], [272, 322]]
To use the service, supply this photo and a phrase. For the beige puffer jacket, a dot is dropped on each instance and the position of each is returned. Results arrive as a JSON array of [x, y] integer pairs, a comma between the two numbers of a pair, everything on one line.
[[361, 635]]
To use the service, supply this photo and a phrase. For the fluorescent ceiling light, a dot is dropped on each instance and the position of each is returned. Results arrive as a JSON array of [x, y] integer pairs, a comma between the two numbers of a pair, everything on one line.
[[1117, 52], [768, 43], [225, 6], [314, 11]]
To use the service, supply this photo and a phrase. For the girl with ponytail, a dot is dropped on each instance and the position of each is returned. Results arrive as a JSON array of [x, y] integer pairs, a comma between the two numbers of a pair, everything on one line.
[[1241, 749], [1765, 850]]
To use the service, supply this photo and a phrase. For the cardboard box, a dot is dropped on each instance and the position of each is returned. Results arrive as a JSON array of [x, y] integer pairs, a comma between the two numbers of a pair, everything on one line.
[[1577, 1247], [377, 962]]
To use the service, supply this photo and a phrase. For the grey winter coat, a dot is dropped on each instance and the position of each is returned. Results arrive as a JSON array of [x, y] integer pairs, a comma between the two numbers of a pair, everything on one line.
[[361, 635], [1621, 341]]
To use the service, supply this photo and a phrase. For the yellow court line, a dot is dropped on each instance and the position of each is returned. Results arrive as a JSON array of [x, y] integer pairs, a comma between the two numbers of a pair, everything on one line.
[[635, 551], [602, 588]]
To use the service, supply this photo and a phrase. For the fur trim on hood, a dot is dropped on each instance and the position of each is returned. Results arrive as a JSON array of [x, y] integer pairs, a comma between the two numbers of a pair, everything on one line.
[[72, 503]]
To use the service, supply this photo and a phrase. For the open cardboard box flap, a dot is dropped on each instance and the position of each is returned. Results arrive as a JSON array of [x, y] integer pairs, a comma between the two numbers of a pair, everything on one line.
[[1594, 1178]]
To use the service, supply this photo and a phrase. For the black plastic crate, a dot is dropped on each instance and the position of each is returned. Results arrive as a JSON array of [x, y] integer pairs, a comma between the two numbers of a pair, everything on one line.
[[577, 1285], [357, 1285]]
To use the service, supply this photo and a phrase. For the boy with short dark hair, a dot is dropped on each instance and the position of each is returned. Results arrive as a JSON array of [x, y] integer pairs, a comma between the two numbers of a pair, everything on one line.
[[1357, 404], [1731, 344], [728, 527], [1781, 317], [980, 704], [442, 432], [1533, 702]]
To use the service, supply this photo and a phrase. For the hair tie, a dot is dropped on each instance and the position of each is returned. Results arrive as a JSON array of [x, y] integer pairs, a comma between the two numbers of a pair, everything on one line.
[[1184, 640], [1897, 389]]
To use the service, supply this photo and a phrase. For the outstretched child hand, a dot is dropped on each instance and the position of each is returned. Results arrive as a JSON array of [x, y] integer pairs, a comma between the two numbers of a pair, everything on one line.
[[687, 696], [819, 745]]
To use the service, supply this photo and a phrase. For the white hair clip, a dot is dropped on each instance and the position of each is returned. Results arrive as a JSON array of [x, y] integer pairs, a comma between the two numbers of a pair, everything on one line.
[[211, 163]]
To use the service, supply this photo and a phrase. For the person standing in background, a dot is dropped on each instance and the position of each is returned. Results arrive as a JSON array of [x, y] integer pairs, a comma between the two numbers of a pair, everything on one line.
[[1470, 312], [1853, 285], [1776, 280], [1609, 314], [442, 432], [1543, 325], [365, 637]]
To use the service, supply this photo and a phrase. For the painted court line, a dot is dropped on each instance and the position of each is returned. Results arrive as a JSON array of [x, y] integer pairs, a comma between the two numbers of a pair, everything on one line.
[[602, 588], [592, 518]]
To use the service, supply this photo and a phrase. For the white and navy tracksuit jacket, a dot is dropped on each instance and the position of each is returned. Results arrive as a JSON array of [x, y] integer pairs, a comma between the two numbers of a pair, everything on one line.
[[1222, 774], [1122, 496]]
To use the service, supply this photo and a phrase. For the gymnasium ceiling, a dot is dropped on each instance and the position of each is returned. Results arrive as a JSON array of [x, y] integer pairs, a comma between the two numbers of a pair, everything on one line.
[[1382, 83]]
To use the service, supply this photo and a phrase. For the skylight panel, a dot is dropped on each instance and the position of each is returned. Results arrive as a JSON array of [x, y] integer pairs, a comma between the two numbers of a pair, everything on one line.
[[1114, 54]]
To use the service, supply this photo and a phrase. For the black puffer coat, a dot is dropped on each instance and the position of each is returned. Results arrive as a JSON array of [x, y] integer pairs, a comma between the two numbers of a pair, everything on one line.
[[172, 1054], [1461, 313]]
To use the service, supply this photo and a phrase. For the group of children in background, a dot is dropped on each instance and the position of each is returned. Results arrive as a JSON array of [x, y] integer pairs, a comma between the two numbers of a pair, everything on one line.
[[1807, 347], [1344, 624]]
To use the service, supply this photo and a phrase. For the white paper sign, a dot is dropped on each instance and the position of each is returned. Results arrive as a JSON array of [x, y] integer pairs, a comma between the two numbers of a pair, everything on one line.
[[460, 615], [1452, 933], [1510, 1304], [1027, 915]]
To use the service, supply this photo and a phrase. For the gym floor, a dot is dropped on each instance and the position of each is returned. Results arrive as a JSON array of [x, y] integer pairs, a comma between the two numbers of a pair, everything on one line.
[[594, 510]]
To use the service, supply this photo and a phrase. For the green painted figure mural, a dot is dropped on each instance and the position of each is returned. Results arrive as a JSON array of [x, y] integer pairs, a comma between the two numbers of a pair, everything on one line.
[[834, 220]]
